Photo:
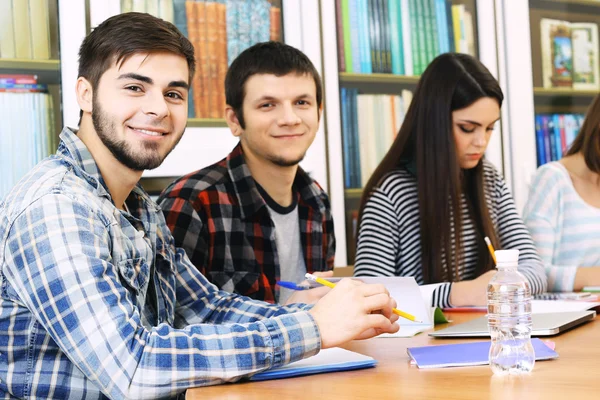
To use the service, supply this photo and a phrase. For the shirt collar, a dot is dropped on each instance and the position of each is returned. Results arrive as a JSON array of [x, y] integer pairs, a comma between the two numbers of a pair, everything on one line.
[[249, 197], [72, 149]]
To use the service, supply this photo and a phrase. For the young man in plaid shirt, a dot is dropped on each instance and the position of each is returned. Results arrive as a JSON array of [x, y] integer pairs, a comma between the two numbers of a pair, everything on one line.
[[96, 301], [256, 217]]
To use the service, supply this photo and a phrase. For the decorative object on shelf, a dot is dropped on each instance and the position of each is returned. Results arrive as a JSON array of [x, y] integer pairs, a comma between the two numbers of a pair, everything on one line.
[[569, 54]]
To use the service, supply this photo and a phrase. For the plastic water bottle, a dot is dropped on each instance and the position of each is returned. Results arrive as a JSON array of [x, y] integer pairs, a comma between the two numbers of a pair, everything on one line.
[[509, 317]]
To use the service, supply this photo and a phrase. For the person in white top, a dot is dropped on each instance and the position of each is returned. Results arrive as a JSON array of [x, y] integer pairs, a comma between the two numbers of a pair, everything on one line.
[[563, 211]]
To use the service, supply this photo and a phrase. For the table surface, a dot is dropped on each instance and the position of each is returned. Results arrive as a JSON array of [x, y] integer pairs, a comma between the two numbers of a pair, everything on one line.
[[574, 375]]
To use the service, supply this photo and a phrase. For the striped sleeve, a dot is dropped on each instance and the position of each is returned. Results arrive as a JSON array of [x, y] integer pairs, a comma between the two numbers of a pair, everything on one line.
[[541, 210], [377, 249], [513, 234]]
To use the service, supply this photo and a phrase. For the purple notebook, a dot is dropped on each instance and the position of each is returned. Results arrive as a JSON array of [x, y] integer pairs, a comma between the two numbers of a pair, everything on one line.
[[465, 354]]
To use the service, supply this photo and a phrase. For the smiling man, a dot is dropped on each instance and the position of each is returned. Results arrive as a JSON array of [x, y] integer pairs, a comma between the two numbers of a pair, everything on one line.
[[256, 217], [95, 299]]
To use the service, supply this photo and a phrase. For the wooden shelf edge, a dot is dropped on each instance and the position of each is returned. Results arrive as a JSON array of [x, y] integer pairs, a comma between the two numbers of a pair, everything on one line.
[[354, 192], [206, 123], [377, 78], [538, 91], [593, 3], [29, 65]]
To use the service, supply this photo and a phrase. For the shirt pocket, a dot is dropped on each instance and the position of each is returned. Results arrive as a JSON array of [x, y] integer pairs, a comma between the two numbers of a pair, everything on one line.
[[135, 273]]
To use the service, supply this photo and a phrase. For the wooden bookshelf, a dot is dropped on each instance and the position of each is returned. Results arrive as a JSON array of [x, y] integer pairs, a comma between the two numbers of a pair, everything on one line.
[[206, 123], [29, 65], [538, 91], [354, 193], [48, 71], [346, 77], [591, 3]]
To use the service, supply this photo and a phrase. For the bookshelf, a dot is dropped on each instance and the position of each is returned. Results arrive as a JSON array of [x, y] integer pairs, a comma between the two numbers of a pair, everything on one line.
[[29, 46], [360, 91], [563, 33]]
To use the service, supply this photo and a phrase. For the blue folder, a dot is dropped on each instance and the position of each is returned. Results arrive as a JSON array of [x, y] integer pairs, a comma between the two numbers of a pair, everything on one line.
[[465, 354], [329, 360]]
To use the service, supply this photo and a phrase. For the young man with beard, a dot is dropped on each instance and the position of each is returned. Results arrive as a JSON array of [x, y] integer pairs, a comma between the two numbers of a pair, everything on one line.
[[256, 217], [95, 299]]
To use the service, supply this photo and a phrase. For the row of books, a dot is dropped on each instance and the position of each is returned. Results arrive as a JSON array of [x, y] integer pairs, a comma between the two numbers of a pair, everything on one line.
[[569, 54], [219, 30], [554, 135], [369, 126], [400, 36], [26, 126], [25, 29]]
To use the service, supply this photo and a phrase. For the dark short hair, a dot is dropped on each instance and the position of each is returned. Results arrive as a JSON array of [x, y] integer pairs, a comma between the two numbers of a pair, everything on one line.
[[122, 36], [274, 58]]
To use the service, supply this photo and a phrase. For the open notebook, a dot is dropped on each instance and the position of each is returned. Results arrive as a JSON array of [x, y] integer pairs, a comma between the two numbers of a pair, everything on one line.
[[328, 360]]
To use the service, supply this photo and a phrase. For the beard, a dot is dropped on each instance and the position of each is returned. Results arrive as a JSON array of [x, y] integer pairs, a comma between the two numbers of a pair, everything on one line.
[[148, 157], [282, 162]]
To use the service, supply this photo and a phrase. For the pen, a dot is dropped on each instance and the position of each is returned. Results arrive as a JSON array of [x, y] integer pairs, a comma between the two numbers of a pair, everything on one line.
[[292, 285], [490, 248], [325, 282]]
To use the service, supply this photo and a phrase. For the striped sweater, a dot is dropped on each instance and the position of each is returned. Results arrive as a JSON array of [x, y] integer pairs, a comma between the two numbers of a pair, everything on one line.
[[389, 241], [564, 227]]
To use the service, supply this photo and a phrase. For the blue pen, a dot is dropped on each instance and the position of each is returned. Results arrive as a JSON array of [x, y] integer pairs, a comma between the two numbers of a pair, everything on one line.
[[292, 285]]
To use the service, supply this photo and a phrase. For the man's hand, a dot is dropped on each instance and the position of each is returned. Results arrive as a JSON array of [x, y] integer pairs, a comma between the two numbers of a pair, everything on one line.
[[471, 293], [354, 310]]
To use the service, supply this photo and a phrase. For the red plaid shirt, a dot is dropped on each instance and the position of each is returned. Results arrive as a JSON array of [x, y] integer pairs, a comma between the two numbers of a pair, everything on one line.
[[219, 217]]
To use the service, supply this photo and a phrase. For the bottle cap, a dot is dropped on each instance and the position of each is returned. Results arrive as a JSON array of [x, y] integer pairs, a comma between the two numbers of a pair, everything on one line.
[[506, 257]]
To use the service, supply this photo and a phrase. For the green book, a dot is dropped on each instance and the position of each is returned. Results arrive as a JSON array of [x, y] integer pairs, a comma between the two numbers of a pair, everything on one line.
[[347, 41]]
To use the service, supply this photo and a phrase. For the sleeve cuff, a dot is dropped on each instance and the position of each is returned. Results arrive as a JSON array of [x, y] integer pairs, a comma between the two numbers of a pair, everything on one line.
[[441, 296], [294, 337]]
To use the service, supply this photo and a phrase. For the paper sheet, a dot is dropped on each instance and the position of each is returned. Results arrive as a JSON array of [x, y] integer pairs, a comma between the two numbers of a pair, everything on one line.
[[556, 306]]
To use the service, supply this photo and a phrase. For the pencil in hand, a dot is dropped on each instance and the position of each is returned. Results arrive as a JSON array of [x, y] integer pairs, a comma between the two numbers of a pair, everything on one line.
[[325, 282], [490, 248]]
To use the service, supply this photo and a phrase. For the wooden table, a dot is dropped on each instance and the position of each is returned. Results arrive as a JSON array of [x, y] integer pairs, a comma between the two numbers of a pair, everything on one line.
[[574, 376]]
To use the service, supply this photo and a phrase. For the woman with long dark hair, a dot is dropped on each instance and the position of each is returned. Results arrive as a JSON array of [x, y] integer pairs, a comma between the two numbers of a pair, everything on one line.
[[563, 210], [435, 182]]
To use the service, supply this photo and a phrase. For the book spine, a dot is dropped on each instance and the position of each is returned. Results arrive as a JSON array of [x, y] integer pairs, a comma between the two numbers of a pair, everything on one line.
[[539, 136], [275, 28], [395, 37], [355, 38], [366, 65], [22, 30], [347, 36], [406, 37], [165, 10], [340, 36]]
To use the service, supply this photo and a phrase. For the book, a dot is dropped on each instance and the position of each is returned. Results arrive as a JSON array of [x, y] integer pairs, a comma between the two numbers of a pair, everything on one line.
[[584, 39], [7, 33], [467, 354], [22, 29], [557, 53], [329, 360], [40, 34]]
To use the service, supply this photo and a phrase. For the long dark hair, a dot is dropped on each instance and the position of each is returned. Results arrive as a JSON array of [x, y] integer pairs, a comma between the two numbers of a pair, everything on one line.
[[451, 82], [588, 139]]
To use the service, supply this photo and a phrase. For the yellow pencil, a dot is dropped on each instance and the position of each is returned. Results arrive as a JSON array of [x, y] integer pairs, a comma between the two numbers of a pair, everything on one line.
[[490, 248], [325, 282]]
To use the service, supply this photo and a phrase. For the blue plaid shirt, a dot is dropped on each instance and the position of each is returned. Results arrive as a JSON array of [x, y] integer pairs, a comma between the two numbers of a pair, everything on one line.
[[96, 302]]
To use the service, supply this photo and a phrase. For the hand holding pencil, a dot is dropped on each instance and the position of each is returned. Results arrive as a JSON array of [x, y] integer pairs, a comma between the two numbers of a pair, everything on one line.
[[354, 310]]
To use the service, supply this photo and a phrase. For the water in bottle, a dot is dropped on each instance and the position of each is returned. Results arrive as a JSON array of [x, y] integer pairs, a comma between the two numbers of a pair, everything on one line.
[[509, 317]]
